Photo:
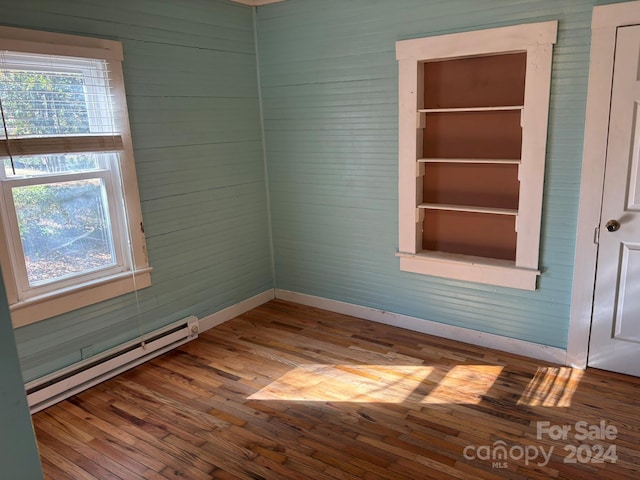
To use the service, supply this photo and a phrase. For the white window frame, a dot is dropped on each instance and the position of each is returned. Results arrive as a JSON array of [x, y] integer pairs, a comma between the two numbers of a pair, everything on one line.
[[131, 270], [537, 41]]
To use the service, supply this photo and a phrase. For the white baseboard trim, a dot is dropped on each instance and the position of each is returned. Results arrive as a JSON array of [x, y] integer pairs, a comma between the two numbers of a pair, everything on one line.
[[233, 311], [460, 334]]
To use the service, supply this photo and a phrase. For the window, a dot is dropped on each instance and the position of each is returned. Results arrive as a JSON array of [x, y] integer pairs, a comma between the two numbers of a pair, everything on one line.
[[472, 141], [71, 229]]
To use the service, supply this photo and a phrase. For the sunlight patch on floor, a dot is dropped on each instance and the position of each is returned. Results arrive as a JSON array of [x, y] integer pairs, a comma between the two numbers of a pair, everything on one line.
[[462, 384], [552, 387]]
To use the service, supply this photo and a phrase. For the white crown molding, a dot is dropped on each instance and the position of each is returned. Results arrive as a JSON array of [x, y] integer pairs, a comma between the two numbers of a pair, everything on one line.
[[256, 3]]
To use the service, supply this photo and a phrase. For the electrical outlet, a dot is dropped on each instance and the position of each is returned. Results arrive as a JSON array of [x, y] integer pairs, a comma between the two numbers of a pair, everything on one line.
[[86, 352]]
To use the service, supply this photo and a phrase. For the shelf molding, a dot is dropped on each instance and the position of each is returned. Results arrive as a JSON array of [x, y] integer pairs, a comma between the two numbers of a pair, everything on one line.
[[490, 271], [495, 161], [504, 108], [469, 208], [478, 42]]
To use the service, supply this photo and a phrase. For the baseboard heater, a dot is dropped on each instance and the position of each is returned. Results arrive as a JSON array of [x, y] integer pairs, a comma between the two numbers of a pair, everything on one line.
[[53, 388]]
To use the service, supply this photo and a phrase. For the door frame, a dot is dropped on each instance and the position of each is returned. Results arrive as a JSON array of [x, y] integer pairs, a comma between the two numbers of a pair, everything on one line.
[[604, 24]]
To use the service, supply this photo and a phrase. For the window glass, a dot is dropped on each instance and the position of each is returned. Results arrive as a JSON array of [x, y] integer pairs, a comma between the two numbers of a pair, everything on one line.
[[43, 103], [46, 95], [64, 229], [52, 164]]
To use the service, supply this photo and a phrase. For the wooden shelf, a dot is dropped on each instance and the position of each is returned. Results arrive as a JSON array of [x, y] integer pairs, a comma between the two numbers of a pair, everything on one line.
[[472, 109], [470, 204], [468, 208], [462, 133], [501, 161]]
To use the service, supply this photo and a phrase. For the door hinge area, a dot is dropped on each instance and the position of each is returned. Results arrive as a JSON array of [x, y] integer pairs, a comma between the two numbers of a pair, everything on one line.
[[596, 236]]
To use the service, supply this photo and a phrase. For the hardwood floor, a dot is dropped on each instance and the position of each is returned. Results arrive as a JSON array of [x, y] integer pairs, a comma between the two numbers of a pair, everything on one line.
[[291, 392]]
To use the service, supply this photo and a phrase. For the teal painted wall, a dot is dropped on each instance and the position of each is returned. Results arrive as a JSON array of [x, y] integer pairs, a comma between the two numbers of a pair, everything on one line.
[[329, 84], [190, 74], [18, 452]]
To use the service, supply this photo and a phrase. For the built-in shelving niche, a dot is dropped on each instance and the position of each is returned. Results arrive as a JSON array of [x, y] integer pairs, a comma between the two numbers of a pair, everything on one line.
[[471, 150]]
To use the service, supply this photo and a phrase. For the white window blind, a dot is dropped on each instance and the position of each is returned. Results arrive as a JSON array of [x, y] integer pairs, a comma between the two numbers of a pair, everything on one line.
[[55, 104]]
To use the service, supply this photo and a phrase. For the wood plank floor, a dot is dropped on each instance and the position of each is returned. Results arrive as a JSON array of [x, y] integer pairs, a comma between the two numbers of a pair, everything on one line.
[[291, 392]]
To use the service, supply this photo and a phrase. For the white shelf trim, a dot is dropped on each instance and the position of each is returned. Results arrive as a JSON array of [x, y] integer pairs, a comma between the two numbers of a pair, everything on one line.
[[536, 39], [503, 108], [504, 273], [499, 161], [469, 208]]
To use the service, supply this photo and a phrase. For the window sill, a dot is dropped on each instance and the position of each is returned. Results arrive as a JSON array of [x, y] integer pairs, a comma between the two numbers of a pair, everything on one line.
[[49, 305], [503, 273]]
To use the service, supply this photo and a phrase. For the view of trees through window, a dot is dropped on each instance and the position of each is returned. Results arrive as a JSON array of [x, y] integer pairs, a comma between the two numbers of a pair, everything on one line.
[[64, 229], [44, 103], [63, 221]]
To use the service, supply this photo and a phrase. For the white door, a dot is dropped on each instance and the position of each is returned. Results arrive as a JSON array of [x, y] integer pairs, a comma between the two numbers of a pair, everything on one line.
[[615, 331]]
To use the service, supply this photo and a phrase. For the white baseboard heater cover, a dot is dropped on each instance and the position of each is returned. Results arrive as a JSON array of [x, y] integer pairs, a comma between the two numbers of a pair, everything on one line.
[[50, 389]]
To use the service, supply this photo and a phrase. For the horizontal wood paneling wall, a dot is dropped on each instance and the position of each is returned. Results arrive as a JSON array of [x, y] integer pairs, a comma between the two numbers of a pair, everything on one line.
[[329, 84], [190, 74]]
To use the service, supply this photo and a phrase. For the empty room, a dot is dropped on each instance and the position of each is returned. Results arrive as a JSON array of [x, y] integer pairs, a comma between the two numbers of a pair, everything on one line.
[[319, 239]]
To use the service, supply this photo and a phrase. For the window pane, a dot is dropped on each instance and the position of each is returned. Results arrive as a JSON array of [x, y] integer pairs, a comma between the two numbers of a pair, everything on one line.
[[47, 95], [64, 229], [43, 103], [59, 163]]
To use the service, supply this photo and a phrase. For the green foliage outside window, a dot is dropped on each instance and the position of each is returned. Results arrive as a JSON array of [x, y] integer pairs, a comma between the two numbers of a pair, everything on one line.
[[63, 225]]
